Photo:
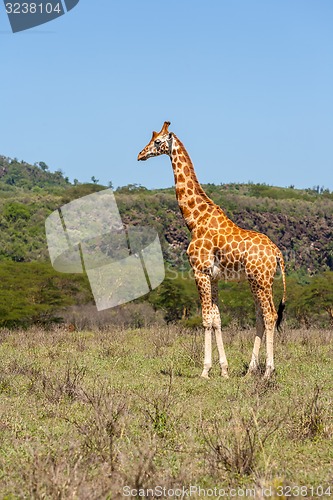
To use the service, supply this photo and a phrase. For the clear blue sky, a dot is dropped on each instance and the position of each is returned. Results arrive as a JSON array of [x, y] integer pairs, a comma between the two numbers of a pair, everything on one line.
[[247, 85]]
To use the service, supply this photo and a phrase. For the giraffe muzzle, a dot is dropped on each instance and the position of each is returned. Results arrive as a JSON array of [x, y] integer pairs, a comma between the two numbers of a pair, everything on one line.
[[142, 156]]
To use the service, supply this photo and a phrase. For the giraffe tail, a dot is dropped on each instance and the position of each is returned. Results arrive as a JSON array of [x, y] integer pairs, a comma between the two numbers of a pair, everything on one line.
[[282, 304]]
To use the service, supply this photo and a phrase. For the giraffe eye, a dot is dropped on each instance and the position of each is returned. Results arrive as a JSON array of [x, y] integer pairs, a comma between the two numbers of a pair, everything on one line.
[[157, 142]]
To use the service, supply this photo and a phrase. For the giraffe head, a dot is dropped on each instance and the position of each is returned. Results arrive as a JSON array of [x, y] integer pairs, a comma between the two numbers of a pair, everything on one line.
[[160, 144]]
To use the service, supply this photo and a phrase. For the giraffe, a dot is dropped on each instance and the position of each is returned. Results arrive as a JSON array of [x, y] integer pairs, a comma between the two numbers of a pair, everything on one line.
[[219, 249]]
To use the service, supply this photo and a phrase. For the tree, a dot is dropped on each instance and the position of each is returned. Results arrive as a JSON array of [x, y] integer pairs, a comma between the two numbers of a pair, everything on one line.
[[177, 297], [43, 166], [310, 302]]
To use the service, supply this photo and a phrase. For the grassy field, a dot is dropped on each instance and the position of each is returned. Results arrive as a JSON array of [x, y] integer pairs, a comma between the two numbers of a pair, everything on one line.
[[105, 414]]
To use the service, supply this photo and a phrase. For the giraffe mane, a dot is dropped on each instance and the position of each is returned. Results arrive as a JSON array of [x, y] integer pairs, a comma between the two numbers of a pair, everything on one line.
[[201, 191]]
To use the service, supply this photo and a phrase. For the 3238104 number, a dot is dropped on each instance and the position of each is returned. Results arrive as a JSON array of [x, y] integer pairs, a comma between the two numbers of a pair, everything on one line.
[[33, 8]]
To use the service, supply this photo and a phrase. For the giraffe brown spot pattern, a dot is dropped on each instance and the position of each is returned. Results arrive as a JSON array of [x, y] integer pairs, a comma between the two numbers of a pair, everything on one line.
[[219, 249]]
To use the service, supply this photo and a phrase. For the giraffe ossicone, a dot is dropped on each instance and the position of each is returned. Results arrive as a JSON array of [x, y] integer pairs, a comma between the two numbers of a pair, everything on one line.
[[219, 249]]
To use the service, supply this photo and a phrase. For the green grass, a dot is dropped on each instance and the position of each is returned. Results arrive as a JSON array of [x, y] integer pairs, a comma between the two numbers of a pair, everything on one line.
[[84, 414]]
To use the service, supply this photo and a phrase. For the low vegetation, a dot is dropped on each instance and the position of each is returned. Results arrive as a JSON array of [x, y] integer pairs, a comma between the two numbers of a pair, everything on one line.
[[98, 413]]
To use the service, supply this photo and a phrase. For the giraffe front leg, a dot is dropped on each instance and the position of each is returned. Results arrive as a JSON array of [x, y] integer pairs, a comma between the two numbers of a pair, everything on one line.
[[218, 333], [204, 288], [211, 319], [222, 355], [208, 352]]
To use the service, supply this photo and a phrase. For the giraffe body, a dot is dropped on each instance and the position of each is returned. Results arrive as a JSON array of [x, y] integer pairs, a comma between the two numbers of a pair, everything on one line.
[[219, 249]]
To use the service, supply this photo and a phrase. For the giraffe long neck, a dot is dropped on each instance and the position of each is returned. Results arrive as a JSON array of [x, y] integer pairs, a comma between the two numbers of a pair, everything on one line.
[[195, 205]]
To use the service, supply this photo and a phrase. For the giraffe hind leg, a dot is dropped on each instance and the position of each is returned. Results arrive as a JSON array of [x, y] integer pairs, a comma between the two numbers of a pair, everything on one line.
[[265, 323], [270, 322], [260, 328]]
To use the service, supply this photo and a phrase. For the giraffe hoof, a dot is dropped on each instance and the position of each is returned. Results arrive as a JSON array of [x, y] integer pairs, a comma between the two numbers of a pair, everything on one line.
[[251, 373], [205, 375], [268, 373], [224, 374]]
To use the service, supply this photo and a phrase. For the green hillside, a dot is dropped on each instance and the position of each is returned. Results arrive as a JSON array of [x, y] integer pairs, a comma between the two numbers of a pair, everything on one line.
[[300, 222]]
